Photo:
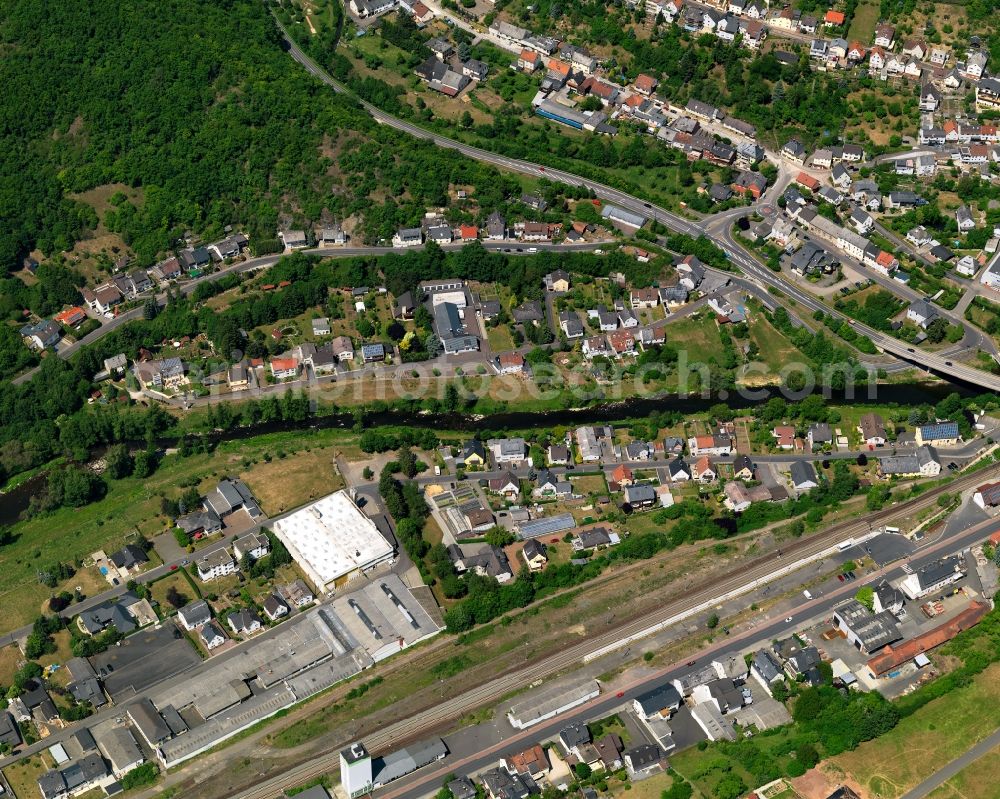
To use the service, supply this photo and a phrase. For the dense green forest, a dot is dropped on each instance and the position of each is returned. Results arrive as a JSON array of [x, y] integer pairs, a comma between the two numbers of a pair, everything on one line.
[[196, 102]]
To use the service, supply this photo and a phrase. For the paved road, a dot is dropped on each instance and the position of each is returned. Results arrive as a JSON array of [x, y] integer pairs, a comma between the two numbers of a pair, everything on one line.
[[428, 781], [939, 777], [513, 247], [749, 264]]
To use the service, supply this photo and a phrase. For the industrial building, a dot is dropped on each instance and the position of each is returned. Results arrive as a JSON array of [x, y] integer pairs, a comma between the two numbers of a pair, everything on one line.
[[333, 541]]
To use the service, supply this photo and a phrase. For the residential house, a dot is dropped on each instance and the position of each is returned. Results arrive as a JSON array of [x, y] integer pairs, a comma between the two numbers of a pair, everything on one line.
[[794, 151], [679, 470], [803, 476], [661, 701], [744, 468], [284, 368], [872, 430], [640, 496], [716, 444], [507, 450], [42, 335], [473, 453], [930, 98], [766, 668], [216, 564], [298, 593], [408, 237], [921, 313], [975, 64], [558, 281], [528, 61], [885, 36], [103, 298], [294, 239], [496, 227], [275, 607], [371, 8], [256, 545], [570, 325], [211, 635], [558, 455], [595, 538], [703, 470], [548, 485], [964, 220], [245, 621], [588, 443], [922, 463], [342, 348], [193, 615], [165, 374], [535, 554], [648, 297], [622, 475], [643, 760], [596, 346], [819, 435], [988, 95], [940, 434], [507, 485], [933, 577]]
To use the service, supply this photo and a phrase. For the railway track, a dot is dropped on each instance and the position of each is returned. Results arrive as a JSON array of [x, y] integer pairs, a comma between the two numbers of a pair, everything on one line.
[[439, 715]]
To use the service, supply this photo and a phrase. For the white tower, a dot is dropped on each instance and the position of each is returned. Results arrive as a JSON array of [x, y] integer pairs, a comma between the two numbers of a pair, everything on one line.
[[356, 770]]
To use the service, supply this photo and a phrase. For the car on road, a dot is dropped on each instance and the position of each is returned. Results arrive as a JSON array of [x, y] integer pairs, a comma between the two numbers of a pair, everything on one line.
[[185, 562], [173, 567], [620, 694], [647, 205], [948, 363], [788, 620], [690, 662]]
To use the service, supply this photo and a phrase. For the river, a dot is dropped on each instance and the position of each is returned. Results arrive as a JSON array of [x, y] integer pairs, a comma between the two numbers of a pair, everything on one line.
[[15, 502]]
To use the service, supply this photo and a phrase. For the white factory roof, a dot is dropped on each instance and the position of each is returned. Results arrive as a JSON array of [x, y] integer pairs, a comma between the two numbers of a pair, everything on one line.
[[332, 538]]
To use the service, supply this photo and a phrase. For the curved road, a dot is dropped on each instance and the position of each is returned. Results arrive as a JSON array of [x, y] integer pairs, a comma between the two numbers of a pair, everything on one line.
[[748, 264], [515, 247]]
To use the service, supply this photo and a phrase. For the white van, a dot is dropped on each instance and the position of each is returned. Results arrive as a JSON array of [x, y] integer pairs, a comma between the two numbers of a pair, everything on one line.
[[806, 594]]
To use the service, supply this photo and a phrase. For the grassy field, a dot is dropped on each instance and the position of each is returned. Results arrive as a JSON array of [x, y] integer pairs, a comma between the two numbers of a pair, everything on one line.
[[289, 482], [134, 505], [865, 19], [704, 769], [775, 351], [499, 338], [62, 653], [591, 484], [159, 589], [978, 780], [10, 660], [23, 775], [930, 738], [699, 337]]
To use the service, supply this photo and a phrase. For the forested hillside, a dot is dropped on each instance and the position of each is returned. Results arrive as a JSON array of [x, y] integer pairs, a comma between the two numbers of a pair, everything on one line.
[[195, 101]]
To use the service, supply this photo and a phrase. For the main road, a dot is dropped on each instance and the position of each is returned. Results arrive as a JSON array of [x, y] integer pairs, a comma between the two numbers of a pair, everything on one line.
[[750, 266], [264, 261], [444, 714]]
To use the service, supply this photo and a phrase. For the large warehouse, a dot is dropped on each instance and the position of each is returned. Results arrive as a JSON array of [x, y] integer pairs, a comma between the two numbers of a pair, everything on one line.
[[333, 541]]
